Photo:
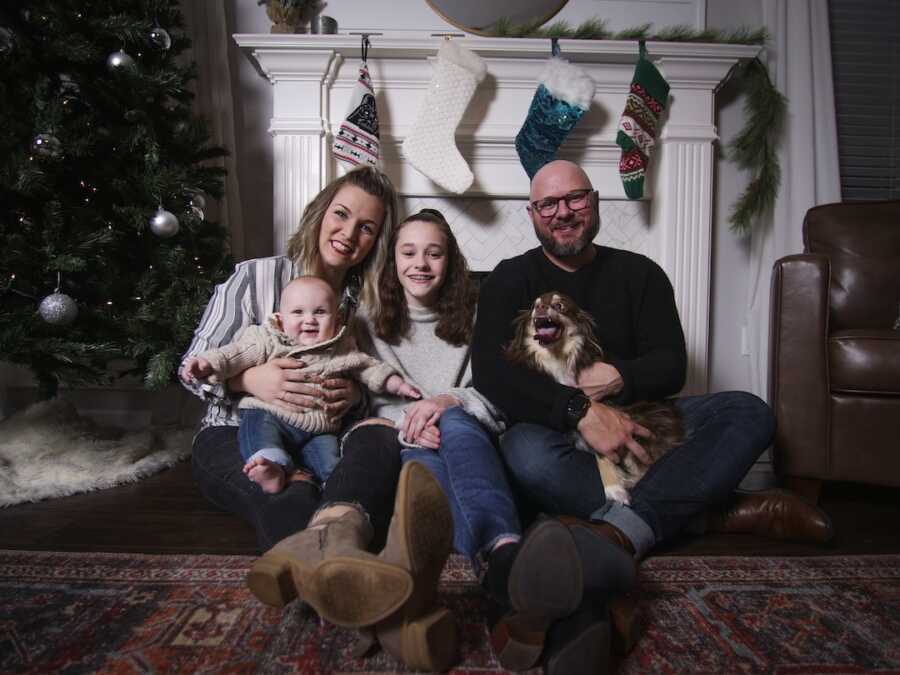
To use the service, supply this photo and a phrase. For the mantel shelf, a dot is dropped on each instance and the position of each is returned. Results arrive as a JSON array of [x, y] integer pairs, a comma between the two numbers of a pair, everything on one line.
[[385, 46]]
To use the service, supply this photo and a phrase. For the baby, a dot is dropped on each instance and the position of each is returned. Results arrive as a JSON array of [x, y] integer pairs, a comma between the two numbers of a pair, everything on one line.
[[305, 328]]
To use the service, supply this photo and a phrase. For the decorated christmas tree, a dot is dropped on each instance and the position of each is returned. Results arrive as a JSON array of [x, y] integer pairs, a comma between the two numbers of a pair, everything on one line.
[[106, 256]]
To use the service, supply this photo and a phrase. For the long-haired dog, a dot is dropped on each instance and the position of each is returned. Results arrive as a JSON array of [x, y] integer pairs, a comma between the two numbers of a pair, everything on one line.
[[556, 337]]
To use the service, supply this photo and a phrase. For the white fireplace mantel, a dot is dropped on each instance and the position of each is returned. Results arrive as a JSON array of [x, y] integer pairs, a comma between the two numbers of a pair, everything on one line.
[[313, 77]]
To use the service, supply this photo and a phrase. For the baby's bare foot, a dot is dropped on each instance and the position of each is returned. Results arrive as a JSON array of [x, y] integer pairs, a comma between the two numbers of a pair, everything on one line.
[[269, 475]]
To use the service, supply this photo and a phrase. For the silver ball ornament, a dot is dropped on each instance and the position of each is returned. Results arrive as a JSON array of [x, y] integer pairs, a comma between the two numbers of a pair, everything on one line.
[[119, 61], [160, 38], [164, 224], [198, 200], [58, 309]]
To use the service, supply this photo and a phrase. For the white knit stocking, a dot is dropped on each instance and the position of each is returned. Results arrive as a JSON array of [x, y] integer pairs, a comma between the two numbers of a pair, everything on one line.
[[430, 146]]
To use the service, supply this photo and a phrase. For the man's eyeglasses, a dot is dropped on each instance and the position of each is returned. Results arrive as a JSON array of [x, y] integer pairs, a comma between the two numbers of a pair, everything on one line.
[[575, 201]]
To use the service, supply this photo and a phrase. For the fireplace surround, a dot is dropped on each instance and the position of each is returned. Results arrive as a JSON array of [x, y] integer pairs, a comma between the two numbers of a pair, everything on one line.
[[313, 76]]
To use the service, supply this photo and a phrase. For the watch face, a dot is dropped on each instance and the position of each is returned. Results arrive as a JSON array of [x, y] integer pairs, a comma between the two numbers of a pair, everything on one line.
[[577, 408]]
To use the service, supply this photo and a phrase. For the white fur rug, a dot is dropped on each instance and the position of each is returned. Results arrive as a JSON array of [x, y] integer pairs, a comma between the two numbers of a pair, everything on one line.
[[48, 450]]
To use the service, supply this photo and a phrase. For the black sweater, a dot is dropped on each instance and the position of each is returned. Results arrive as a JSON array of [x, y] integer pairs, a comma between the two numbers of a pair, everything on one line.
[[637, 325]]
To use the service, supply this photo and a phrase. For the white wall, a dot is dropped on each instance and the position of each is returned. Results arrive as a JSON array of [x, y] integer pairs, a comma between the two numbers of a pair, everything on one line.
[[729, 367]]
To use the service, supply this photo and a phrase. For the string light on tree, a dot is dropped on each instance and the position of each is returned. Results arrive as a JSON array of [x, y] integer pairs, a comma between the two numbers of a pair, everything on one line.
[[164, 223]]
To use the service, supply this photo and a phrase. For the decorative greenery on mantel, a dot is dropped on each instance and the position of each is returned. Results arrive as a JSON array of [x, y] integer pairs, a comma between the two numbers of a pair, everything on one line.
[[595, 29], [754, 148]]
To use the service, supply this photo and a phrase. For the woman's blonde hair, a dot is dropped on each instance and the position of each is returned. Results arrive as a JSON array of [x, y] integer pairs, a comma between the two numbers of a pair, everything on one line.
[[303, 246]]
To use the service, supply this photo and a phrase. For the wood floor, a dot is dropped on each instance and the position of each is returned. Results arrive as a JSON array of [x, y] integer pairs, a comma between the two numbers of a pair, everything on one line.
[[166, 514]]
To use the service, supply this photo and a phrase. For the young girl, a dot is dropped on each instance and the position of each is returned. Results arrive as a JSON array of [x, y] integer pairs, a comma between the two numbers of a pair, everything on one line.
[[423, 328]]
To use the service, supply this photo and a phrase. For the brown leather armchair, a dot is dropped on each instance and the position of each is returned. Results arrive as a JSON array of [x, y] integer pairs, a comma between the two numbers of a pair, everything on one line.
[[834, 357]]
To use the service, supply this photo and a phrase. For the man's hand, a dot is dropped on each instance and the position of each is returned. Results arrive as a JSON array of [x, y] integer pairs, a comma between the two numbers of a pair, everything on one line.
[[608, 431], [281, 382], [600, 380]]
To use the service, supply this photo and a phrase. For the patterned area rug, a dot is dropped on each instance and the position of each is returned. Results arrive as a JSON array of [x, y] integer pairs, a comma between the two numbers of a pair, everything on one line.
[[120, 613]]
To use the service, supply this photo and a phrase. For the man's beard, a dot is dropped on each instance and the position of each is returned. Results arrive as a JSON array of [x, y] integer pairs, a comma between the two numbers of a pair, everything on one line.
[[572, 248]]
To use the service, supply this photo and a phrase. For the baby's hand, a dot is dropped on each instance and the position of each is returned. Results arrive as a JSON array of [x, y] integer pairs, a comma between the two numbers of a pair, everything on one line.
[[398, 386], [196, 368]]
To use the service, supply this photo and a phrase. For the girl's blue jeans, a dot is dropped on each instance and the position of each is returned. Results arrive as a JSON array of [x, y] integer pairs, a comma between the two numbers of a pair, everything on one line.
[[471, 472]]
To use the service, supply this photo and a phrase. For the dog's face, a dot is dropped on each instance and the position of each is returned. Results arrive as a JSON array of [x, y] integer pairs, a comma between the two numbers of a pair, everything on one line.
[[553, 320], [555, 336]]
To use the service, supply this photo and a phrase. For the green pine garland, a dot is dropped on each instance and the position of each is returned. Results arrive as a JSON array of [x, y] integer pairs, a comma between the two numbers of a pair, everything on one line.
[[595, 29], [754, 147]]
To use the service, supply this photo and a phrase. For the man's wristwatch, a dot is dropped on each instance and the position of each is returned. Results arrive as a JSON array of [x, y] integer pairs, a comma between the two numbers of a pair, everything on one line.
[[577, 408]]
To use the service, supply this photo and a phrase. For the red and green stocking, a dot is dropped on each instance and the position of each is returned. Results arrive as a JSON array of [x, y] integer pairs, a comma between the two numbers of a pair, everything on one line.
[[639, 124]]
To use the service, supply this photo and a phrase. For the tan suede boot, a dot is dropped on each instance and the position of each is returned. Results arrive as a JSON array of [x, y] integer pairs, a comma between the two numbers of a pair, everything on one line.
[[420, 633], [286, 570]]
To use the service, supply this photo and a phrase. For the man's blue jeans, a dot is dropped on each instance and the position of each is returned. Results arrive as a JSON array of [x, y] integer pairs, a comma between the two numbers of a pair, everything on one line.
[[727, 432], [263, 434], [471, 472]]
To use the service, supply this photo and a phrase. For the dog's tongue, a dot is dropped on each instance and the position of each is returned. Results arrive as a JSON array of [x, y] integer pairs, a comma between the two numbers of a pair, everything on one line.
[[546, 334]]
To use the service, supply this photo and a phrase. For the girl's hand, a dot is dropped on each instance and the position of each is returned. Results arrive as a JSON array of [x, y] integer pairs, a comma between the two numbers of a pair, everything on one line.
[[281, 382], [425, 413], [430, 438], [339, 395]]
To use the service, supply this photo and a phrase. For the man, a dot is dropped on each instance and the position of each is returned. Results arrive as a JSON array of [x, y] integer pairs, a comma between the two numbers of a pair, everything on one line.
[[632, 303]]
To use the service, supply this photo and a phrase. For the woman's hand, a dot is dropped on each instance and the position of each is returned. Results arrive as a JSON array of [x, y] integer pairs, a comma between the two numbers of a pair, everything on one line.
[[425, 413], [281, 382], [429, 438], [339, 394]]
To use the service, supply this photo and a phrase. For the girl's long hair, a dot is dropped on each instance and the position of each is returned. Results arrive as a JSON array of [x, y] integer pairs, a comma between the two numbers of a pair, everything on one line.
[[303, 246], [455, 304]]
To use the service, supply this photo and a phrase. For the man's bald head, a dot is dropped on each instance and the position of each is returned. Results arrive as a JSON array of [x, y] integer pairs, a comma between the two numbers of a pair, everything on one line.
[[566, 233], [558, 177]]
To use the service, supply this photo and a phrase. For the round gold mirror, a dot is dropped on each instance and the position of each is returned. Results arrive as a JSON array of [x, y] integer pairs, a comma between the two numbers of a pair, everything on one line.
[[478, 16]]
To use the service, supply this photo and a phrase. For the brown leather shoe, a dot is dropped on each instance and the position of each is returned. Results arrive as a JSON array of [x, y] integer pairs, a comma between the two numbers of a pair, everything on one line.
[[625, 617], [611, 532], [773, 513]]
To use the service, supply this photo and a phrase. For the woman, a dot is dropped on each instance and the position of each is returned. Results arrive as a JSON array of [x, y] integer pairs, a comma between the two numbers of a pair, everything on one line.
[[343, 238]]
